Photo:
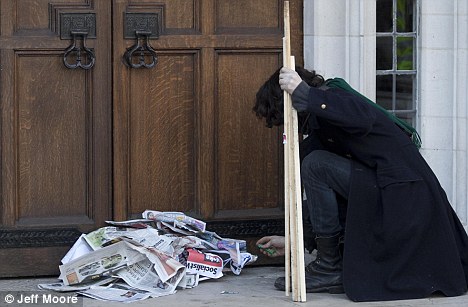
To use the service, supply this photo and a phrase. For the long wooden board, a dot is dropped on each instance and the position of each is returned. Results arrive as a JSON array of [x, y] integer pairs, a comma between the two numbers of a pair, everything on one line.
[[294, 263]]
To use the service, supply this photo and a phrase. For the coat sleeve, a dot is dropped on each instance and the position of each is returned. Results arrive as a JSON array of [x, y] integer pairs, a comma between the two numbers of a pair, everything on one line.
[[340, 108]]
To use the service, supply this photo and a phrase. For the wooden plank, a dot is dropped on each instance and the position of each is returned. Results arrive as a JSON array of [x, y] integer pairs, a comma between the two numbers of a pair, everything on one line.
[[287, 190], [299, 241], [293, 198]]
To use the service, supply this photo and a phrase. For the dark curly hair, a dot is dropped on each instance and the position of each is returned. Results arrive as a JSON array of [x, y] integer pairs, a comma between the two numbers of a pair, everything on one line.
[[269, 98]]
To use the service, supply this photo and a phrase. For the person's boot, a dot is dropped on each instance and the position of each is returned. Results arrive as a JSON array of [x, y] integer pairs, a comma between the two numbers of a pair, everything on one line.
[[324, 274]]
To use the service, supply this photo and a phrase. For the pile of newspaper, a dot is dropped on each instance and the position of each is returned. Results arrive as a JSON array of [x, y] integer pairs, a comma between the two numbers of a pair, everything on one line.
[[150, 257]]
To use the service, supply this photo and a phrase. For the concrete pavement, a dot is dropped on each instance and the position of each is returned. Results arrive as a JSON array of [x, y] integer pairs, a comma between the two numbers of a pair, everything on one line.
[[253, 287]]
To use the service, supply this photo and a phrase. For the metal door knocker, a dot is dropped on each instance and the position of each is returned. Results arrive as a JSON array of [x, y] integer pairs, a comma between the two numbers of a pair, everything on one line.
[[141, 26], [77, 51], [78, 27], [141, 51]]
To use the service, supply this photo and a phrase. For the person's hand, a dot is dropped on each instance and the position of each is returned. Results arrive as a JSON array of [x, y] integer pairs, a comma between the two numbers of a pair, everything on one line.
[[289, 79], [272, 246]]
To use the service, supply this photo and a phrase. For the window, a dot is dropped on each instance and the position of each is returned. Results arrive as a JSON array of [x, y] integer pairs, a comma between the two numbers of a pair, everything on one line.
[[396, 44]]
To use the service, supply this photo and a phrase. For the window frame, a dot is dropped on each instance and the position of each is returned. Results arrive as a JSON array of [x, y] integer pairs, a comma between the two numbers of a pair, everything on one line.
[[407, 114]]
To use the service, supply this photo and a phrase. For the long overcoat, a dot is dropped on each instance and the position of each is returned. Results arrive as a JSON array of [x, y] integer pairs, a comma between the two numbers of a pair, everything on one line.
[[403, 240]]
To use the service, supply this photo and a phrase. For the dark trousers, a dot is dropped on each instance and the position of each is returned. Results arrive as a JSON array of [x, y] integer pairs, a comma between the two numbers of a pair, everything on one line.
[[324, 175]]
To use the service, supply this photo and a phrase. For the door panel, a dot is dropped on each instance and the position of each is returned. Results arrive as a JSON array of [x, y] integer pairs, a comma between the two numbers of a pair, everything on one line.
[[155, 117], [248, 156], [51, 141], [55, 134], [244, 16], [161, 134]]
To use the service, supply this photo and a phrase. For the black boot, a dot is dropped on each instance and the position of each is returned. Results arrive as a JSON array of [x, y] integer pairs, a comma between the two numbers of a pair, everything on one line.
[[324, 274]]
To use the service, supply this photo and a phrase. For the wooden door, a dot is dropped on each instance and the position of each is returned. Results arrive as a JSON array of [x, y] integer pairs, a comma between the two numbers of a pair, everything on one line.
[[186, 138], [56, 143], [82, 146]]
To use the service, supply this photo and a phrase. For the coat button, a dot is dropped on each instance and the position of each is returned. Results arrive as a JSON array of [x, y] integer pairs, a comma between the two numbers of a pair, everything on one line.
[[331, 140], [323, 106]]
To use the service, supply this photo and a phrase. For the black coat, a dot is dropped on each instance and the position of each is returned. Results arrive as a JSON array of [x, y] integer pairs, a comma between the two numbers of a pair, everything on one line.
[[403, 240]]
